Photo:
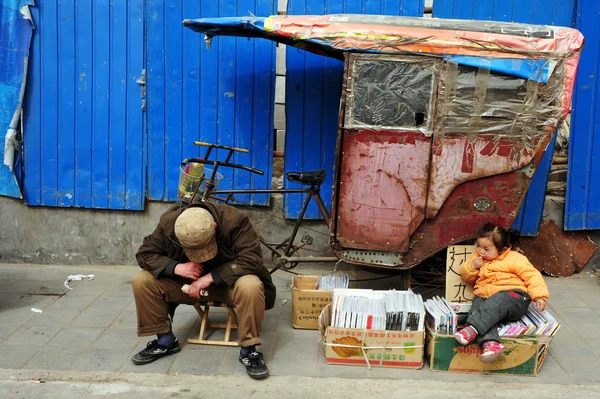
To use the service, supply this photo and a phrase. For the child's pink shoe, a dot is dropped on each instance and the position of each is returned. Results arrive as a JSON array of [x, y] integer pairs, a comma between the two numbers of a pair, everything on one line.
[[466, 335], [491, 351]]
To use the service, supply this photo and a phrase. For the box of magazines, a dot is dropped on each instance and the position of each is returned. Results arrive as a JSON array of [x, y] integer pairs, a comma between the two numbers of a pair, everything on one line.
[[526, 341], [373, 329], [310, 294]]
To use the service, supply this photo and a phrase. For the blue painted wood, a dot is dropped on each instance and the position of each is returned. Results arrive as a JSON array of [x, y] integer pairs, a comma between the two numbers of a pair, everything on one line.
[[313, 91], [66, 104], [101, 98], [155, 97], [532, 209], [32, 125], [49, 97], [83, 121], [83, 100], [118, 112], [583, 186], [220, 95], [173, 95], [543, 12], [135, 167]]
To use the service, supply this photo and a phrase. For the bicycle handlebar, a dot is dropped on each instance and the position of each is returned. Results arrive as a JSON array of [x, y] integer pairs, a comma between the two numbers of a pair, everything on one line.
[[224, 147], [219, 163]]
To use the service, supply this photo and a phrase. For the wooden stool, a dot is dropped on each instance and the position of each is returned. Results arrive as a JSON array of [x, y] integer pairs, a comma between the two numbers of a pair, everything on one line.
[[202, 308]]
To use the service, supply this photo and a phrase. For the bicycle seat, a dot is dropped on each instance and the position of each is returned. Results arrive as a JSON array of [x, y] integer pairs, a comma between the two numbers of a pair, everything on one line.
[[313, 177]]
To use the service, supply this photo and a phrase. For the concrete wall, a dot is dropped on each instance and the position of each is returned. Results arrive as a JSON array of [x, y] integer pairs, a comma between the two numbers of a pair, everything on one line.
[[70, 236], [73, 236]]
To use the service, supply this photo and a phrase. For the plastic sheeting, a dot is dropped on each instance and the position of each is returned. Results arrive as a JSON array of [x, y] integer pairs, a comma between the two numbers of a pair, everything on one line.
[[391, 94], [15, 30], [484, 95]]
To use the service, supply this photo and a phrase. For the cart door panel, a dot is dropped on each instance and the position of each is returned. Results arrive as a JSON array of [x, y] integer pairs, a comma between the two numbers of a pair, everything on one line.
[[385, 146], [383, 187]]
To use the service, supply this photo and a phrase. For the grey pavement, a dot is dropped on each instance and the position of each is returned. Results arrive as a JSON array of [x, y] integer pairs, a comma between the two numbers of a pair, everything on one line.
[[91, 331]]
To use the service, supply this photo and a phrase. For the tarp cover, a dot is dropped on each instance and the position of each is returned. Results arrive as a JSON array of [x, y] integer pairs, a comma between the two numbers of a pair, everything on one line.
[[528, 51], [15, 33]]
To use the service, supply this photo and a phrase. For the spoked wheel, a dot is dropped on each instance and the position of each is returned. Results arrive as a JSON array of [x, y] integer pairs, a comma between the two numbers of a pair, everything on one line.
[[429, 277]]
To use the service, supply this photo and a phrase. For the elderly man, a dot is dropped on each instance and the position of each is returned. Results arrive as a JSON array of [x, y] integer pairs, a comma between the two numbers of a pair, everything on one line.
[[213, 248]]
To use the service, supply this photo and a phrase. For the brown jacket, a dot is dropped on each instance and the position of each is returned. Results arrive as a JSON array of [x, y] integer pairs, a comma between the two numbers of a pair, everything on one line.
[[239, 248]]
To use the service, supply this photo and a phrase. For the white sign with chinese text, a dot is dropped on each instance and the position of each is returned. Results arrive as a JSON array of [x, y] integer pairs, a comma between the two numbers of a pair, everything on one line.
[[456, 288]]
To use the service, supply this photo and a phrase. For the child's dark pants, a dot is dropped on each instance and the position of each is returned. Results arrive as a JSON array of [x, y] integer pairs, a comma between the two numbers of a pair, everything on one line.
[[486, 313]]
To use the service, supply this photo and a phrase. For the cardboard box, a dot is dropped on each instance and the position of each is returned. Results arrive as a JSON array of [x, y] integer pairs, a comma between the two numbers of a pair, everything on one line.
[[523, 355], [307, 302], [371, 348]]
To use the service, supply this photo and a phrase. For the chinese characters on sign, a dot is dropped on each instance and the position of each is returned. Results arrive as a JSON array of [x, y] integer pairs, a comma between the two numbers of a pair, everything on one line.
[[456, 289]]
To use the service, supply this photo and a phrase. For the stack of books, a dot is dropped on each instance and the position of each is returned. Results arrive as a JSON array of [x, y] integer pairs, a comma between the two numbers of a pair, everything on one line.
[[441, 316], [533, 322], [333, 281], [377, 310]]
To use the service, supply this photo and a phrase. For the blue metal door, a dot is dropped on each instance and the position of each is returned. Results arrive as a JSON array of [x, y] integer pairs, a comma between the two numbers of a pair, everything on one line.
[[583, 183], [222, 95], [542, 12], [313, 92], [83, 120]]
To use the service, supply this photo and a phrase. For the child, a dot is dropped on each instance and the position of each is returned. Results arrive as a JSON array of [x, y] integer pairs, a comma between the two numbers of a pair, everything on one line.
[[505, 283]]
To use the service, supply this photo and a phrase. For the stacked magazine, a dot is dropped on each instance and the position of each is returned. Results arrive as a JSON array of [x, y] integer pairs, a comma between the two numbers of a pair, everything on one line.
[[377, 310], [442, 317], [533, 322], [333, 281]]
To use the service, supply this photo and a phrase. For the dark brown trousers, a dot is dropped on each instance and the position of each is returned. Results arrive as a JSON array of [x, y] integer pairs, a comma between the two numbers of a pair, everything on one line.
[[153, 296]]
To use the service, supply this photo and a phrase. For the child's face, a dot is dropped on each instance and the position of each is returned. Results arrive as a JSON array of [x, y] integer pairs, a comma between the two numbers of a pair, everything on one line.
[[486, 249]]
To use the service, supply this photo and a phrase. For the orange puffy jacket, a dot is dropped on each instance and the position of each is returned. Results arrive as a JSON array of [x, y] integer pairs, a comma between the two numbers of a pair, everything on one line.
[[509, 271]]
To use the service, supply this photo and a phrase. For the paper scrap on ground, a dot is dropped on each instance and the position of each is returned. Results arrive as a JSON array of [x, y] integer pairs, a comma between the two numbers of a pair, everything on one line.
[[77, 277], [36, 310]]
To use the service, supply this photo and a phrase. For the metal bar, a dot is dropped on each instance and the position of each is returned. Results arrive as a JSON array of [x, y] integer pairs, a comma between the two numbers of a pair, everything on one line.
[[297, 224], [322, 207]]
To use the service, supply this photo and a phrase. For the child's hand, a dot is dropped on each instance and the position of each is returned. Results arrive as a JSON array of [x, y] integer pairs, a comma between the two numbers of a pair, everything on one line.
[[540, 305], [477, 263]]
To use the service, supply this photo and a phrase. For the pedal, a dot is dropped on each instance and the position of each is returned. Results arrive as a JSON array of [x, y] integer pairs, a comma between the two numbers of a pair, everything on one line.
[[380, 258], [306, 239]]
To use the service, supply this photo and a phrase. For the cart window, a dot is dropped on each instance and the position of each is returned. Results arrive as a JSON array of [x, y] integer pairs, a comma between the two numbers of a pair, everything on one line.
[[390, 94], [504, 95], [481, 100]]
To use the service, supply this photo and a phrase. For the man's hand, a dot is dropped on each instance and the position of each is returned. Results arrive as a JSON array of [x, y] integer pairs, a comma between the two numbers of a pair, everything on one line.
[[477, 263], [540, 305], [201, 284], [189, 270]]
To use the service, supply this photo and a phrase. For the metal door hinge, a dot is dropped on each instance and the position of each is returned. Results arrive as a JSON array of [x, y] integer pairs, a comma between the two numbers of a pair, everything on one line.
[[142, 82]]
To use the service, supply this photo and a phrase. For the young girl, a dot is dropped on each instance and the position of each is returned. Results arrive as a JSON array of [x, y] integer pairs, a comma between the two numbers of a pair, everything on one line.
[[505, 284]]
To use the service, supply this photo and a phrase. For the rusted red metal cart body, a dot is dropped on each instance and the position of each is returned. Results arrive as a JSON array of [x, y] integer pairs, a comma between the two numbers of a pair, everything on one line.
[[442, 123]]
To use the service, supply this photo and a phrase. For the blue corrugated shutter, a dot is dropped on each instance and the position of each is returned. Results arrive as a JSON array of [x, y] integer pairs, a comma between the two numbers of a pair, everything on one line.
[[83, 122], [542, 12], [583, 185], [313, 91], [222, 95]]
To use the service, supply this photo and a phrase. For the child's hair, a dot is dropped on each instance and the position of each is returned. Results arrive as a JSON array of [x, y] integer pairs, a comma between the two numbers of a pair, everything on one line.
[[501, 237]]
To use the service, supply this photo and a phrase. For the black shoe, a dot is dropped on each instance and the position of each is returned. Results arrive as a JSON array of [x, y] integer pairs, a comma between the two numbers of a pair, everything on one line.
[[154, 351], [255, 365]]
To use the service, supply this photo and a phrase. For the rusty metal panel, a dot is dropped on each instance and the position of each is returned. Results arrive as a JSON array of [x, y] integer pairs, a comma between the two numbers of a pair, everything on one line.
[[313, 91], [383, 186], [551, 12]]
